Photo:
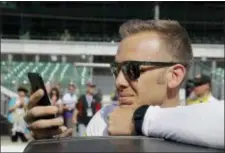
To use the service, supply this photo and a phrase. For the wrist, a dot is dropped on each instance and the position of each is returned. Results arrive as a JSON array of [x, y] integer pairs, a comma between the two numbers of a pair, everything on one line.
[[138, 119]]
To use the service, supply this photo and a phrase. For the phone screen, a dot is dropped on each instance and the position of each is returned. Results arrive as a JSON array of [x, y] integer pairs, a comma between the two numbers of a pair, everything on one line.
[[36, 83]]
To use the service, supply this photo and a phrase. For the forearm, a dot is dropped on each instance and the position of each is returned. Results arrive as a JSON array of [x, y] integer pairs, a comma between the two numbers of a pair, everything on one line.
[[201, 124], [75, 113]]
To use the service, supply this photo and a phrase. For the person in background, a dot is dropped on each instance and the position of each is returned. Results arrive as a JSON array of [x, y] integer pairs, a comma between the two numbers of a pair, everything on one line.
[[54, 96], [87, 106], [69, 101], [114, 97], [189, 89], [17, 112], [58, 86], [202, 90], [74, 120], [98, 96]]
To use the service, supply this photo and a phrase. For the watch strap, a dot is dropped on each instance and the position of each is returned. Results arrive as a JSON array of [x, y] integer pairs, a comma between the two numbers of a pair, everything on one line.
[[138, 118]]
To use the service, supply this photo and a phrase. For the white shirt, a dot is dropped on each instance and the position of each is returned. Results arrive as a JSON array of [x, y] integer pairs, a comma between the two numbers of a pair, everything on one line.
[[200, 124], [18, 121], [89, 99], [213, 99], [69, 100]]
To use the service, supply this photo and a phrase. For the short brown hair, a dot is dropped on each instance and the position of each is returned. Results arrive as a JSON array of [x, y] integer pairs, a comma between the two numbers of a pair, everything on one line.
[[175, 36]]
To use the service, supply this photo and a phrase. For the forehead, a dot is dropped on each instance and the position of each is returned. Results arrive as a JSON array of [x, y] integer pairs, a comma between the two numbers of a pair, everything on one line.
[[21, 92], [91, 87], [143, 47]]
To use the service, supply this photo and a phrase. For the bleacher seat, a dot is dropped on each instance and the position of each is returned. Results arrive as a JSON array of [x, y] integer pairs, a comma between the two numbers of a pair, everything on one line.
[[15, 73]]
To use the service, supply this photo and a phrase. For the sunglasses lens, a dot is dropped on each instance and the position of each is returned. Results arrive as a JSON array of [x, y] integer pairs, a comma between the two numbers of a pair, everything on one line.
[[132, 70]]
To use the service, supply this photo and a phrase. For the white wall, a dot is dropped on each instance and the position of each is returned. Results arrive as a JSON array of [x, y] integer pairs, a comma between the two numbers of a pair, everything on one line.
[[90, 48]]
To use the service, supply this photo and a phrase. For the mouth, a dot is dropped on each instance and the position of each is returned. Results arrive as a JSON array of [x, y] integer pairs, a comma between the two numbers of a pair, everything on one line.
[[125, 101]]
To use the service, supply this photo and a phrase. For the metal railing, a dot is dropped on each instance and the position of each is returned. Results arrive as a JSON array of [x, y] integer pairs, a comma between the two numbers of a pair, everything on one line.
[[104, 38]]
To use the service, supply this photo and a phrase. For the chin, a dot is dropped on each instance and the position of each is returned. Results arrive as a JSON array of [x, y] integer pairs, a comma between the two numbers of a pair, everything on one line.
[[126, 102], [126, 106]]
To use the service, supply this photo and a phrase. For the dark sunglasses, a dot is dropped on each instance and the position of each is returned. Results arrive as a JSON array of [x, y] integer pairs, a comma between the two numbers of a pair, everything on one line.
[[132, 68]]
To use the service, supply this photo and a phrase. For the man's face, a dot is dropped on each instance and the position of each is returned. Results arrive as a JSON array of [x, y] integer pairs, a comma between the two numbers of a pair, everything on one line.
[[21, 94], [201, 89], [91, 89], [71, 89], [155, 84]]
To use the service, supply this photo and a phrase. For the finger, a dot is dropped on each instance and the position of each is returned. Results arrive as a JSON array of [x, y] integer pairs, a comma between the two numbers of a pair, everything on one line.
[[110, 131], [40, 111], [46, 123], [34, 98], [46, 133], [63, 128], [67, 133]]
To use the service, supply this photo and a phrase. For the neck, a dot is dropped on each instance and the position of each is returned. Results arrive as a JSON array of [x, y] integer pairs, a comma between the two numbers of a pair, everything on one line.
[[88, 93], [207, 93], [173, 102], [172, 99]]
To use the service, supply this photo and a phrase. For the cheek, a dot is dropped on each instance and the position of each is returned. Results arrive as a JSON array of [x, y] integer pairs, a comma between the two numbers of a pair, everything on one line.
[[149, 90], [144, 90], [197, 89]]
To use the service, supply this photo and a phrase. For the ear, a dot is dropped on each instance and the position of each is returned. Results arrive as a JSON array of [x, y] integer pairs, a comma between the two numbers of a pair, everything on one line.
[[176, 75]]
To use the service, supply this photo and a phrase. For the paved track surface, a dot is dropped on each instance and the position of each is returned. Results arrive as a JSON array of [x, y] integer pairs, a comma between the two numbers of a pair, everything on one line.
[[8, 146]]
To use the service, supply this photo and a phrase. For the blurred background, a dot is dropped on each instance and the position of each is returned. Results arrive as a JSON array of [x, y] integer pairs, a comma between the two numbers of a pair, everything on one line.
[[75, 41]]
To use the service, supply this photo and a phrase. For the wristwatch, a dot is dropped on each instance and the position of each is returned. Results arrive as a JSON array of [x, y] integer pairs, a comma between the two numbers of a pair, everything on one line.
[[138, 118]]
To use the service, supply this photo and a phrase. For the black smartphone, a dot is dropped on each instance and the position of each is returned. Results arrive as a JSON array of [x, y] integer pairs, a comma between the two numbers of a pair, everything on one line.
[[36, 83]]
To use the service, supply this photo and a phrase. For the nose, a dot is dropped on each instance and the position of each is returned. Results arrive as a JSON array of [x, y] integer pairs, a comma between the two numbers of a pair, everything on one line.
[[121, 81]]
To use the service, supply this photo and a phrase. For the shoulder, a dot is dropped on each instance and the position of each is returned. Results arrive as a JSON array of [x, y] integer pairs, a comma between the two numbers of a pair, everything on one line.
[[213, 99], [190, 101], [98, 124], [65, 95]]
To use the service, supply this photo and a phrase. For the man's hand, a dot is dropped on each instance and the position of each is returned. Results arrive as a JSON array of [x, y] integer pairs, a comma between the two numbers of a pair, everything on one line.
[[120, 121], [42, 128]]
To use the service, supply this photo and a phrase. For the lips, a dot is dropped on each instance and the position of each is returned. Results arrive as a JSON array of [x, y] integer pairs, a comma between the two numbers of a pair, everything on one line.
[[125, 100]]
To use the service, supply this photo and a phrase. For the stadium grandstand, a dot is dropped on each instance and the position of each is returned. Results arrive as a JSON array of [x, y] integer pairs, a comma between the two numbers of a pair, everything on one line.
[[76, 41]]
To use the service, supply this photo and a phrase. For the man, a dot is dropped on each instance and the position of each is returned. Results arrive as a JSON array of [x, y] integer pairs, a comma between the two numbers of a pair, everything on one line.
[[152, 61], [69, 100], [87, 106], [202, 90]]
